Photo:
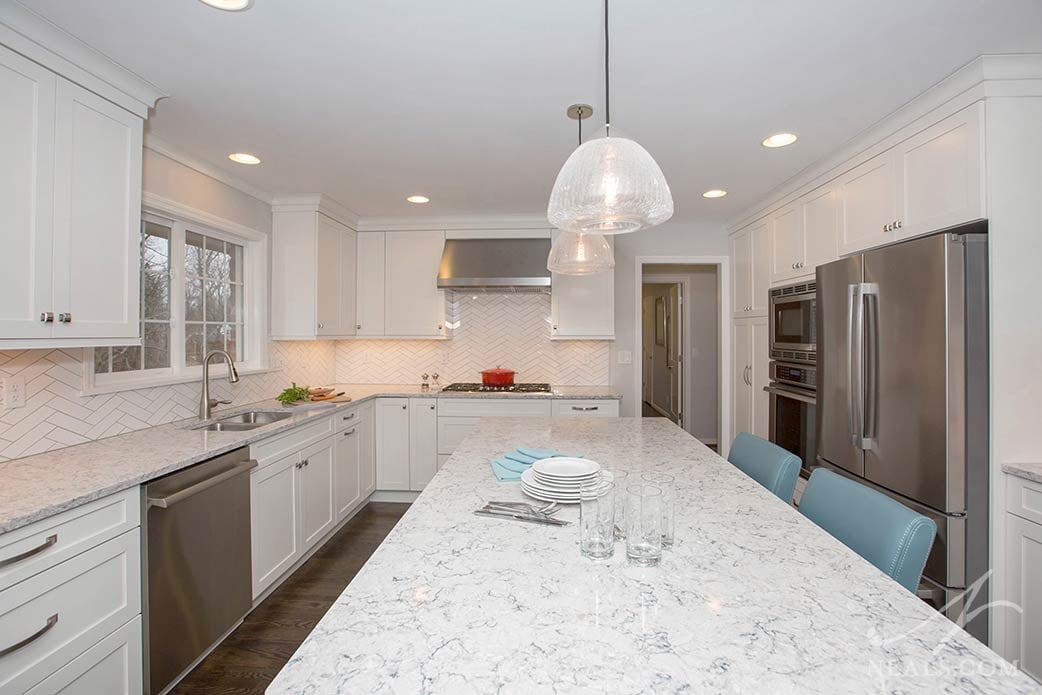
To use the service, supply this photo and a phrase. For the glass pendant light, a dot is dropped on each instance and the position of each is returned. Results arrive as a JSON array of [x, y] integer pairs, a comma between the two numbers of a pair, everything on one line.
[[609, 185], [580, 254]]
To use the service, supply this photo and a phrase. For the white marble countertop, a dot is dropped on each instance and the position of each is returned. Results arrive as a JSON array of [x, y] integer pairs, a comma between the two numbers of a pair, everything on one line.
[[1029, 471], [753, 598], [42, 485]]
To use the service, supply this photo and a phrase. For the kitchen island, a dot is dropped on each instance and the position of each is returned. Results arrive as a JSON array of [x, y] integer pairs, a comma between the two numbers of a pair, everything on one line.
[[752, 598]]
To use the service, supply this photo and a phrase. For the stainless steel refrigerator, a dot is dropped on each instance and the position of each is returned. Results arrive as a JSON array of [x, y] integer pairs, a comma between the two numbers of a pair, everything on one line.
[[903, 394]]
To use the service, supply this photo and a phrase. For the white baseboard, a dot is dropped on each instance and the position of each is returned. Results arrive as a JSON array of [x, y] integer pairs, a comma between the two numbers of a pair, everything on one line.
[[405, 496]]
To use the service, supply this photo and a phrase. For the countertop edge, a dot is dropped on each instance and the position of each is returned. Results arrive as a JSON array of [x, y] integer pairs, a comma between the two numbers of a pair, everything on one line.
[[1026, 471]]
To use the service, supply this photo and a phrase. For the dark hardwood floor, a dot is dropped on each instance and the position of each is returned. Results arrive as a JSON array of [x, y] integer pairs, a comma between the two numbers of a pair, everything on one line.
[[248, 660]]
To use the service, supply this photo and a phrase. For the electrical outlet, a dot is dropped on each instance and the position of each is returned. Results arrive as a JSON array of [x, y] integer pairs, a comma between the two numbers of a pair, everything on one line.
[[14, 392], [625, 357]]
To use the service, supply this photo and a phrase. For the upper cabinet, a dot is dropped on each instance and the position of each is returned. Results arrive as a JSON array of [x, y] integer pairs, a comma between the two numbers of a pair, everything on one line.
[[750, 256], [413, 304], [369, 316], [867, 204], [804, 235], [70, 206], [313, 275], [582, 307]]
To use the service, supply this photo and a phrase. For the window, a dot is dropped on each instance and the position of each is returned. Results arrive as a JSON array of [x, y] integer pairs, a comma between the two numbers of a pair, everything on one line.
[[195, 296]]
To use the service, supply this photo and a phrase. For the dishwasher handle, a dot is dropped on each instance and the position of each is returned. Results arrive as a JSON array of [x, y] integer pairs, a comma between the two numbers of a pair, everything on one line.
[[192, 490]]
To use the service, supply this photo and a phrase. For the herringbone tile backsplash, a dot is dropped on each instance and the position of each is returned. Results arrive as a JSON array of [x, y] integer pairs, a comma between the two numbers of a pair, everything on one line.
[[512, 330]]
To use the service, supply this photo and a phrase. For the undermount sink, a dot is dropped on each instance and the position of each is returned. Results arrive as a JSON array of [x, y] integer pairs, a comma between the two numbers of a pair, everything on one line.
[[244, 421]]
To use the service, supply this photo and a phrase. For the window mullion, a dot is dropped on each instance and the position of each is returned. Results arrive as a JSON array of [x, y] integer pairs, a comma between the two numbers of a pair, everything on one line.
[[177, 299]]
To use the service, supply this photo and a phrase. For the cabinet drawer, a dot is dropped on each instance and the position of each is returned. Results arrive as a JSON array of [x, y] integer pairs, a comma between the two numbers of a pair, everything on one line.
[[346, 419], [494, 407], [453, 430], [1024, 498], [59, 613], [270, 450], [53, 540], [112, 666], [586, 408]]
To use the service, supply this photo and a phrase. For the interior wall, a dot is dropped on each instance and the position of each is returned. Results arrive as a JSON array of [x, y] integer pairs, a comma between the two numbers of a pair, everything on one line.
[[655, 371], [671, 238]]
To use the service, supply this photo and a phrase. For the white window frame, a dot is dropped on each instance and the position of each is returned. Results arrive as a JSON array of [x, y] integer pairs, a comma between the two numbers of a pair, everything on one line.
[[255, 300]]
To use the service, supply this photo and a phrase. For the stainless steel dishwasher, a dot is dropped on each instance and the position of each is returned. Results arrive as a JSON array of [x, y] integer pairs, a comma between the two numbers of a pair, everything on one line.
[[199, 563]]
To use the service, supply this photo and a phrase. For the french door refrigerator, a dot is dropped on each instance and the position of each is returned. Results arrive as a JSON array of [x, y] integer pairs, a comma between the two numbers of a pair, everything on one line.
[[903, 395]]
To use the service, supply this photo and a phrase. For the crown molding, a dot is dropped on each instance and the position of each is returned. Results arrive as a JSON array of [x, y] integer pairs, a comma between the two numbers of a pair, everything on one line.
[[28, 33], [1006, 75], [455, 223], [164, 148], [315, 202], [160, 204]]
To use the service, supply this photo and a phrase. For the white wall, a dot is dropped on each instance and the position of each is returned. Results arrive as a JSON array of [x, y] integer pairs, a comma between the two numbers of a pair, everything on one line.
[[671, 238]]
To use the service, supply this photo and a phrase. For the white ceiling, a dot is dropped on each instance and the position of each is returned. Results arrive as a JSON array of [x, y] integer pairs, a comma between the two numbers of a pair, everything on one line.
[[369, 101]]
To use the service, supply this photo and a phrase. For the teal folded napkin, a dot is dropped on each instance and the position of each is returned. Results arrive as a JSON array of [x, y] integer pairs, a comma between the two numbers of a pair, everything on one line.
[[507, 471], [508, 467]]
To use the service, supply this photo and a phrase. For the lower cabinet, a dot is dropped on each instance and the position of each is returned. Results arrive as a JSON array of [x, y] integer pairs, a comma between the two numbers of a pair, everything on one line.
[[1024, 574], [585, 408], [112, 666], [316, 491], [392, 443], [423, 441], [749, 364], [274, 520], [347, 471]]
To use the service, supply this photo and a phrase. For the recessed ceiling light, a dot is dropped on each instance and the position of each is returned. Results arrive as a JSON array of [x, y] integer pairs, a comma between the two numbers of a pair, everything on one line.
[[229, 5], [779, 140], [243, 158], [714, 193], [418, 199]]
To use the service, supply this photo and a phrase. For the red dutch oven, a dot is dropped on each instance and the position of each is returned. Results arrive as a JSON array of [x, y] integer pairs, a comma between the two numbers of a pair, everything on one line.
[[498, 377]]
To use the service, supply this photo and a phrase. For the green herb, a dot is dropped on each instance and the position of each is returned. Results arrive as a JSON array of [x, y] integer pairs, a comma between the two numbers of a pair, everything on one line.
[[293, 394]]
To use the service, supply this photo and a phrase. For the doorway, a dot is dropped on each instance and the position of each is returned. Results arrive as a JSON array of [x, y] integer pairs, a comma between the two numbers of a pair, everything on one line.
[[680, 346]]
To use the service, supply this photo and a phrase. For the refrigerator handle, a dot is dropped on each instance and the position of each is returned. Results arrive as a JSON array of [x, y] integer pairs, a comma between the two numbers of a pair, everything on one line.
[[872, 372], [854, 396]]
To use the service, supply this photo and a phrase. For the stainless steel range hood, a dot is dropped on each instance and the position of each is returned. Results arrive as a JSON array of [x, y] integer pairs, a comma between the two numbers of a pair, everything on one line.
[[495, 265]]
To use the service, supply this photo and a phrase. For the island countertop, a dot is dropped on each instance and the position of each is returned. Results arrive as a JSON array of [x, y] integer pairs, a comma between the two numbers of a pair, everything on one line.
[[753, 597]]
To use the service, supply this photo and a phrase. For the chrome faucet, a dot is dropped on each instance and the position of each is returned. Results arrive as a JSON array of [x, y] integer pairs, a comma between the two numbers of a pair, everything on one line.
[[206, 403]]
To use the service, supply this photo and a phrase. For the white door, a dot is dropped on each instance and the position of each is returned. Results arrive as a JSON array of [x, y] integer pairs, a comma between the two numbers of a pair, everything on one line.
[[27, 115], [347, 484], [274, 527], [328, 276], [648, 348], [367, 453], [741, 380], [760, 359], [742, 277], [97, 216], [392, 443], [414, 305], [423, 441], [317, 513], [1024, 570], [674, 351], [867, 204], [940, 174], [369, 284], [787, 239], [583, 306], [820, 222]]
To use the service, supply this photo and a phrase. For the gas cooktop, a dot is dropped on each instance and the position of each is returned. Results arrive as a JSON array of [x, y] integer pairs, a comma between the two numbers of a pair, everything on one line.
[[516, 388]]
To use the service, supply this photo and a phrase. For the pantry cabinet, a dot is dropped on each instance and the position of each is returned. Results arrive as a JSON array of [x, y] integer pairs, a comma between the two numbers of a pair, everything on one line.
[[749, 364], [70, 203], [583, 306], [750, 279], [413, 304]]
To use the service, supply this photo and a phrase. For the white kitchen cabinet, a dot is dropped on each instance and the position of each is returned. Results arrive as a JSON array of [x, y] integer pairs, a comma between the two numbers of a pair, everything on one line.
[[759, 376], [803, 235], [749, 362], [413, 304], [313, 275], [1023, 584], [70, 205], [276, 537], [369, 317], [788, 242], [583, 306], [367, 452], [423, 441], [392, 443], [347, 470], [868, 204], [750, 257], [113, 666], [318, 512], [941, 181], [574, 407]]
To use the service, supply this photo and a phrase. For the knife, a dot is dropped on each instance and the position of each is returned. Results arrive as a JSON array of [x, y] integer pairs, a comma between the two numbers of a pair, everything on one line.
[[522, 517]]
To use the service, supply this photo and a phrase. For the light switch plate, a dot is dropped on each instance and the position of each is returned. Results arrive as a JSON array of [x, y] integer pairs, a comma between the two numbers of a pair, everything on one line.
[[14, 392], [625, 357]]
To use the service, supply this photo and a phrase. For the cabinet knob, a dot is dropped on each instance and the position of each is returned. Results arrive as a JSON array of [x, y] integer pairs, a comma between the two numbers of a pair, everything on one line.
[[358, 326], [321, 325], [404, 407], [65, 318], [47, 317], [432, 407], [899, 224]]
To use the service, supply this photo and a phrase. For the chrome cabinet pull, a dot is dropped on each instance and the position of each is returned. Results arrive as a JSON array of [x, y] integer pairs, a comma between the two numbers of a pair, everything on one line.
[[65, 318], [585, 409], [349, 416], [51, 540], [47, 317], [51, 622]]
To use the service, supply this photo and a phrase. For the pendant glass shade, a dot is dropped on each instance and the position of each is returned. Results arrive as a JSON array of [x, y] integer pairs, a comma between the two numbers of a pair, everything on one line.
[[609, 185], [580, 254]]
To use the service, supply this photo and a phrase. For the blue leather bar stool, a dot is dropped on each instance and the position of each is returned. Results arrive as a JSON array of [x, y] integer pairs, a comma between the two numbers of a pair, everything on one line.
[[766, 463], [880, 529]]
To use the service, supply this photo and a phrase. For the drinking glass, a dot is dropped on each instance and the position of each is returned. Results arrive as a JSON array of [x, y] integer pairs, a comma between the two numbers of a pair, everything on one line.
[[666, 483], [620, 504], [597, 520], [644, 524]]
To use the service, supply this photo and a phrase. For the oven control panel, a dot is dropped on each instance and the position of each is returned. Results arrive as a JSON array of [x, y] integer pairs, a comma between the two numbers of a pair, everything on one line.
[[801, 375]]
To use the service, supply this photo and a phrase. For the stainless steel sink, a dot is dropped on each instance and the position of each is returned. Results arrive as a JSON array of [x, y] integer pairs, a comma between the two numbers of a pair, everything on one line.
[[245, 421]]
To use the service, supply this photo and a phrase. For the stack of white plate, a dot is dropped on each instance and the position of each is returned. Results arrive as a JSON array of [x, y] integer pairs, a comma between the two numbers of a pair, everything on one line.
[[560, 479]]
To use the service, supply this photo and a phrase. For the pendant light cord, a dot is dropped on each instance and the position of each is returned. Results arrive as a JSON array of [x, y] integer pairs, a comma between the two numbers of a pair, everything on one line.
[[607, 99]]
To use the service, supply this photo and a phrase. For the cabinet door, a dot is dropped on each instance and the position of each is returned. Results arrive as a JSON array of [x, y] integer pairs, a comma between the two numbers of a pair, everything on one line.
[[423, 441], [369, 284], [742, 275], [112, 666], [328, 275], [867, 204], [760, 359], [97, 216], [820, 222], [761, 268], [367, 454], [1024, 577], [414, 305], [741, 381], [787, 242], [392, 443], [348, 287], [583, 306], [347, 458], [26, 187], [940, 174], [274, 528], [317, 513]]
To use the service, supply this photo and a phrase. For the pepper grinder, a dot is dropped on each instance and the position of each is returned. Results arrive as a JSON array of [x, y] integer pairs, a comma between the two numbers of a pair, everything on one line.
[[437, 385], [425, 386]]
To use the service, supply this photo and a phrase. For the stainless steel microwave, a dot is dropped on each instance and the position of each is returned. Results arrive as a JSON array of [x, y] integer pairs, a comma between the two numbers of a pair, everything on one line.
[[794, 322]]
